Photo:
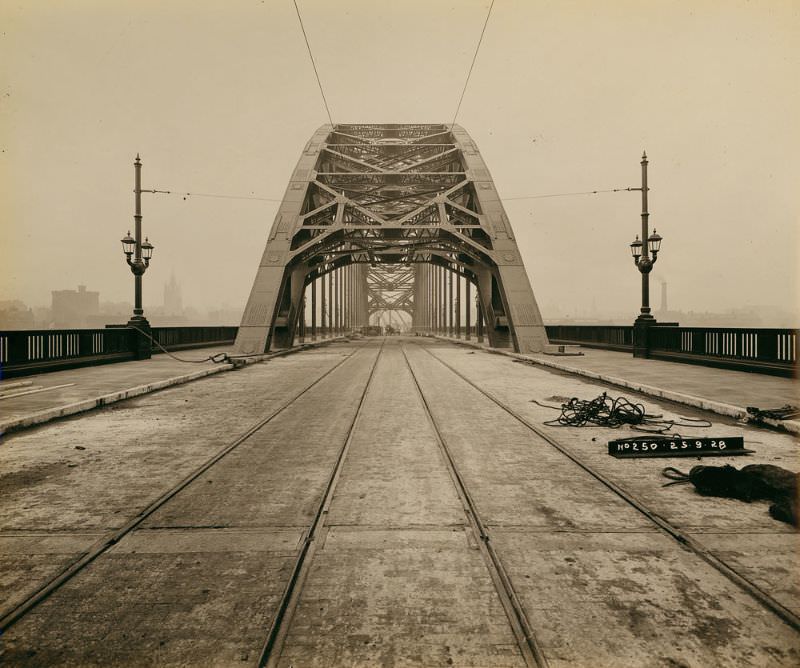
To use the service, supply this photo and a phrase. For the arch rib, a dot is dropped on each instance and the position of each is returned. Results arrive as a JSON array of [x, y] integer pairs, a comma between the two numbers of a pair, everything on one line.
[[392, 218]]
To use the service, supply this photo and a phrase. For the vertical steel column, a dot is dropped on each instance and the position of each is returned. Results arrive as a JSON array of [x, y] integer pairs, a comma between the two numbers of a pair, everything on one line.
[[344, 299], [442, 299], [342, 292], [448, 294], [443, 303], [348, 298], [364, 312], [330, 304], [350, 320], [467, 310], [429, 300], [437, 292], [450, 304], [478, 319], [424, 296], [322, 309], [335, 302], [438, 299], [338, 290], [314, 310], [362, 309], [419, 297], [301, 320], [434, 297], [345, 310], [458, 306], [446, 301], [360, 293]]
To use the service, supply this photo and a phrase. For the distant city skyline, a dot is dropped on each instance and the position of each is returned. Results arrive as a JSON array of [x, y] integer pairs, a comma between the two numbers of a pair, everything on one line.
[[169, 310]]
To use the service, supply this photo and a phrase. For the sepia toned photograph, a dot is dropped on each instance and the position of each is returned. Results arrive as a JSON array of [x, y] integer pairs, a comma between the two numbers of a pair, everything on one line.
[[399, 333]]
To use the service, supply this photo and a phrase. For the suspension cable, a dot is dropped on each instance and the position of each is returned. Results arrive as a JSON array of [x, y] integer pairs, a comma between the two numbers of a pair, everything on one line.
[[313, 63], [474, 58]]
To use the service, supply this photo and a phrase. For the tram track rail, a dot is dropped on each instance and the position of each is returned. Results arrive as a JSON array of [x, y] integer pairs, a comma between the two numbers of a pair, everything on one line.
[[529, 646], [682, 538], [281, 621], [12, 615]]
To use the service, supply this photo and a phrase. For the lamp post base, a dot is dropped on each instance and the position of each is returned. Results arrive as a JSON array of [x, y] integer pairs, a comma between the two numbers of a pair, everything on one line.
[[641, 335], [142, 344]]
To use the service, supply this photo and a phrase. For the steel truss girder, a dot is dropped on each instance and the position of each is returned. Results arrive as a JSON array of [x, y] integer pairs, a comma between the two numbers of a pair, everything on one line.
[[391, 197]]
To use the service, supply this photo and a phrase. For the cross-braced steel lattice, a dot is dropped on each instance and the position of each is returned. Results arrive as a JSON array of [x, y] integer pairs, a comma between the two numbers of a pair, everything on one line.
[[393, 218]]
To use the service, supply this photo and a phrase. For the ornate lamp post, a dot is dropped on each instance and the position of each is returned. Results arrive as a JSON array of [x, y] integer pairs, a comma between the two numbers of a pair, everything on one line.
[[141, 253], [642, 252]]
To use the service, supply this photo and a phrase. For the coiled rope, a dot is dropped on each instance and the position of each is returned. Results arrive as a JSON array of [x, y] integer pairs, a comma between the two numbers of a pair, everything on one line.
[[610, 412]]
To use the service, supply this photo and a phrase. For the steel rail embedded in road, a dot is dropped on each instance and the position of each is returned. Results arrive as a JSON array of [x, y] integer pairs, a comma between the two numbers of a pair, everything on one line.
[[276, 636], [12, 615], [529, 646], [774, 606]]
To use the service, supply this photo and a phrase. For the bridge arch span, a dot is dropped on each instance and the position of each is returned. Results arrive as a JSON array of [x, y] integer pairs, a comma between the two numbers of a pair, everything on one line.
[[386, 217]]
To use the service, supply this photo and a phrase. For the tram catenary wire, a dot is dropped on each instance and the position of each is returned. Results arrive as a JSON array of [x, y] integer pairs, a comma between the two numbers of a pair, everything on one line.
[[684, 539], [10, 616]]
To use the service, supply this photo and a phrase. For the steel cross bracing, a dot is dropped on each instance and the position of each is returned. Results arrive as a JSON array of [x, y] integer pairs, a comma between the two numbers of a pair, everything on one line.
[[413, 209], [390, 288]]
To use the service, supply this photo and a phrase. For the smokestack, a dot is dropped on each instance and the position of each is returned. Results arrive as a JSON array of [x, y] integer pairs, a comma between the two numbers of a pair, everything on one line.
[[664, 296]]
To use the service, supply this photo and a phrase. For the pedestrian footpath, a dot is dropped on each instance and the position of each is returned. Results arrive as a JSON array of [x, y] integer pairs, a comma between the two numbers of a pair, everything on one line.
[[31, 400], [722, 391]]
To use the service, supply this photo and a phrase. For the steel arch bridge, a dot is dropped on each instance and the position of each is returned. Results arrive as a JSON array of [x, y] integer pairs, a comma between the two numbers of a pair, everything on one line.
[[391, 217]]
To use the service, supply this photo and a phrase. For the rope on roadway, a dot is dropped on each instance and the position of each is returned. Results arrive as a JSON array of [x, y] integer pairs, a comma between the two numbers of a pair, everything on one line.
[[217, 358], [605, 411]]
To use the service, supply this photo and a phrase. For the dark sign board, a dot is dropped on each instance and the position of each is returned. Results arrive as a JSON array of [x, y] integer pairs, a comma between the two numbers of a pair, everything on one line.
[[677, 447]]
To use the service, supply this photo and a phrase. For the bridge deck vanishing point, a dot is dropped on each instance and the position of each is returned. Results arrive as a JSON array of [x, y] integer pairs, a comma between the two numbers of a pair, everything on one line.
[[393, 502]]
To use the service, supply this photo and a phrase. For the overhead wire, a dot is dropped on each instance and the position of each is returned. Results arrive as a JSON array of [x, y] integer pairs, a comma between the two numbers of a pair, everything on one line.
[[585, 192], [268, 199], [472, 65], [313, 62], [217, 195]]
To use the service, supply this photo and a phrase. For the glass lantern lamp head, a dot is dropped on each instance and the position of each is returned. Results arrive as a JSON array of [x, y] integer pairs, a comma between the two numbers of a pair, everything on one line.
[[147, 250], [636, 248], [654, 242], [128, 244]]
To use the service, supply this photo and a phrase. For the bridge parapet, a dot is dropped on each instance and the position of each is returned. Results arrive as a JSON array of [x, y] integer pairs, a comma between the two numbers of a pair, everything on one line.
[[761, 350], [24, 352]]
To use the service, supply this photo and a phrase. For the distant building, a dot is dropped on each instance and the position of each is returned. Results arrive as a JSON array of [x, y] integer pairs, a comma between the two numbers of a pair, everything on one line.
[[14, 314], [75, 308], [173, 299]]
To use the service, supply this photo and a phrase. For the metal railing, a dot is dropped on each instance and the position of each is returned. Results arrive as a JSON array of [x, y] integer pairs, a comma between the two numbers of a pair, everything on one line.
[[24, 352], [609, 337], [182, 338], [762, 350]]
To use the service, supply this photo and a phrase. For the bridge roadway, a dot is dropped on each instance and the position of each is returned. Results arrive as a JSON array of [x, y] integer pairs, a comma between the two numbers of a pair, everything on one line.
[[392, 502]]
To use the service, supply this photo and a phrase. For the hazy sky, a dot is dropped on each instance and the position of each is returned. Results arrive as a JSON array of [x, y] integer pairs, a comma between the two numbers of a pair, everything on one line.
[[220, 97]]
